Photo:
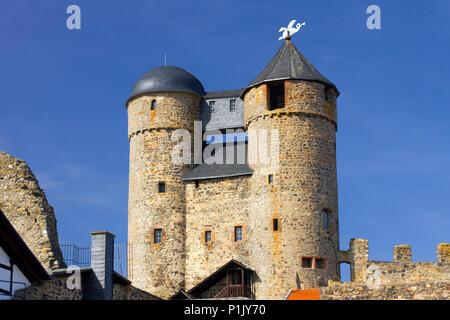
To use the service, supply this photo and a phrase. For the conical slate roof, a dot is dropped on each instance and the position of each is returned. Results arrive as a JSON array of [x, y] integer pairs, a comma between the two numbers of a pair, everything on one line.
[[288, 63]]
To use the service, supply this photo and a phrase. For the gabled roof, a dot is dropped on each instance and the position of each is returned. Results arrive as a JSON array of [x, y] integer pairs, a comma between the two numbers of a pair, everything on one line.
[[181, 295], [217, 275], [19, 253], [289, 63]]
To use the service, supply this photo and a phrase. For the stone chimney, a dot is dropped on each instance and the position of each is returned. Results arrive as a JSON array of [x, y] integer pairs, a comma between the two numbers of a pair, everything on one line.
[[100, 286]]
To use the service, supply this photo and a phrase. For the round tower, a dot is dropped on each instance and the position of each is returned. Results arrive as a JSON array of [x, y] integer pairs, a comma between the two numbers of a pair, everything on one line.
[[295, 202], [163, 100]]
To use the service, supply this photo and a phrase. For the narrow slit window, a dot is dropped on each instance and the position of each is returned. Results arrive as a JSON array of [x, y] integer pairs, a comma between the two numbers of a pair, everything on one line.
[[157, 236], [161, 187], [325, 214], [270, 179], [275, 224], [207, 236], [276, 96], [153, 105], [197, 184], [238, 233]]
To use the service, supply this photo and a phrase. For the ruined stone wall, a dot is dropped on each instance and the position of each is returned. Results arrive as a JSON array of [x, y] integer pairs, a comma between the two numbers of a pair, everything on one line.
[[304, 184], [400, 271], [423, 290], [157, 267], [25, 205]]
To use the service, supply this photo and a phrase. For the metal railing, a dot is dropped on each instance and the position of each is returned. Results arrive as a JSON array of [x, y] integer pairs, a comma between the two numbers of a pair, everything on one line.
[[9, 294], [81, 256], [234, 291]]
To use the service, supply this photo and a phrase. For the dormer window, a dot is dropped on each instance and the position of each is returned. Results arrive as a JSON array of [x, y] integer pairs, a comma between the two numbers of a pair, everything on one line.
[[276, 95], [233, 105], [212, 104]]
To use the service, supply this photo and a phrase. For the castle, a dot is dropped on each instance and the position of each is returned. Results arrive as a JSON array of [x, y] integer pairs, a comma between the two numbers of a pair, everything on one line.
[[278, 225], [224, 229]]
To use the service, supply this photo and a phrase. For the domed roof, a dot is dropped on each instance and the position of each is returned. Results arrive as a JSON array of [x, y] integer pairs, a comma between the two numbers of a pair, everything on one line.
[[167, 79]]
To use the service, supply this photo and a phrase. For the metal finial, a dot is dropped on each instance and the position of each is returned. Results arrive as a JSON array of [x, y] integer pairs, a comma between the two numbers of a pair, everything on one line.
[[290, 30]]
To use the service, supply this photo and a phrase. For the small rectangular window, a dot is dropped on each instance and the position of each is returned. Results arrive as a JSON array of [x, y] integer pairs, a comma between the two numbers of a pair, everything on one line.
[[276, 96], [270, 178], [238, 233], [207, 236], [306, 262], [157, 236], [197, 184], [319, 263], [161, 187], [275, 224], [211, 106], [233, 105]]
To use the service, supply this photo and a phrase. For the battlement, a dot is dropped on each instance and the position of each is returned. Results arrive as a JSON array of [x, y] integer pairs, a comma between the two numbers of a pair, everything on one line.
[[400, 270]]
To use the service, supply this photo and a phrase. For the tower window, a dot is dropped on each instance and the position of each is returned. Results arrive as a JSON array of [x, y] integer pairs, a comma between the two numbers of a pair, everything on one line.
[[238, 233], [276, 96], [212, 105], [157, 236], [161, 187], [319, 263], [153, 105], [325, 214], [306, 262], [208, 236], [233, 105], [275, 224], [197, 184], [270, 179]]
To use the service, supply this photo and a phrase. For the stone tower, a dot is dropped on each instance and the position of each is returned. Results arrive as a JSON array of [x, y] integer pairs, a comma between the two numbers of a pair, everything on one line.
[[298, 248], [164, 99]]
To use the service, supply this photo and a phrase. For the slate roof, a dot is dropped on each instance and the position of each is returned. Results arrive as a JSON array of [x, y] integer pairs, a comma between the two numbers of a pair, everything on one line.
[[167, 79], [213, 171], [288, 63], [223, 94], [216, 275]]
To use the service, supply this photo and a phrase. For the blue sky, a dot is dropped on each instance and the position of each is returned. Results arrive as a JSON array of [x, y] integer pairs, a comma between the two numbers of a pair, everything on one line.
[[63, 100]]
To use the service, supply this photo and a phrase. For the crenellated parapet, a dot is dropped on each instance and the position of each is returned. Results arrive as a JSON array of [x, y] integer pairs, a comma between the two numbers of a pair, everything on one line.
[[400, 270]]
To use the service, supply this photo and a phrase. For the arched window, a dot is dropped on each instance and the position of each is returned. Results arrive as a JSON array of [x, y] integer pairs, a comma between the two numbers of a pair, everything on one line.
[[153, 105], [325, 217]]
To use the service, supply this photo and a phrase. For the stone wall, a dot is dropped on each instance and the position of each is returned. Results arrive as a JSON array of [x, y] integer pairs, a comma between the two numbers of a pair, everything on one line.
[[121, 292], [157, 267], [400, 271], [55, 289], [304, 184], [25, 205], [423, 290], [217, 205]]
